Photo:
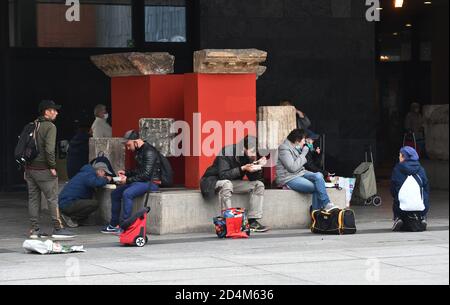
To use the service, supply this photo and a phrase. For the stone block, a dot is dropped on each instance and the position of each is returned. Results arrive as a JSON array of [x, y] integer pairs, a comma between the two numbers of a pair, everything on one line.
[[436, 131], [135, 64], [274, 125], [158, 133], [185, 211], [228, 61]]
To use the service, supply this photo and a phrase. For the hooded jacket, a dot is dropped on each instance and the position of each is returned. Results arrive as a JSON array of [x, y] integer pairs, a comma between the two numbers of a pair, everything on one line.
[[81, 186], [399, 175], [226, 166]]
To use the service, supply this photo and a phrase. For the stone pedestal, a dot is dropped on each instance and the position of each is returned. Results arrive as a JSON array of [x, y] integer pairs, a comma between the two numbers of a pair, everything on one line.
[[112, 148], [219, 100], [436, 131], [275, 123]]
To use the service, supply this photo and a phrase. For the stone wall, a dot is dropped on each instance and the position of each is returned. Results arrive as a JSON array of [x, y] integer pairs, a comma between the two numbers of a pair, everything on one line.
[[436, 131]]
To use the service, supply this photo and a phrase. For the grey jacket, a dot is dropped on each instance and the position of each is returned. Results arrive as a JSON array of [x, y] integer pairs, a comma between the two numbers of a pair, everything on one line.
[[290, 163]]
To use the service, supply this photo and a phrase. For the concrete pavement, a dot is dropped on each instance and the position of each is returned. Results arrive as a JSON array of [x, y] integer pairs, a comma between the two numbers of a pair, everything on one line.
[[373, 256]]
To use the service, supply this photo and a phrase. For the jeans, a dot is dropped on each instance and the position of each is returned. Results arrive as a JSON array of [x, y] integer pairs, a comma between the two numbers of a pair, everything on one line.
[[312, 183], [127, 192]]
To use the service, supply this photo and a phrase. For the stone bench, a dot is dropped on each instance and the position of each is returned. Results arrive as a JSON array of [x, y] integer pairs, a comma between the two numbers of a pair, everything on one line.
[[185, 211]]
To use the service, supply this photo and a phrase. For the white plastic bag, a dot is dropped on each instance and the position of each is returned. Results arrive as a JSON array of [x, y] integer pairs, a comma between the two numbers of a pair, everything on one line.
[[49, 247]]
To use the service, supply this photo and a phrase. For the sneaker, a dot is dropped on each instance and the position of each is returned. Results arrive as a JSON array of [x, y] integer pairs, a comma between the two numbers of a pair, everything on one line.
[[112, 230], [62, 234], [424, 223], [37, 234], [330, 207], [398, 225], [69, 221], [255, 226]]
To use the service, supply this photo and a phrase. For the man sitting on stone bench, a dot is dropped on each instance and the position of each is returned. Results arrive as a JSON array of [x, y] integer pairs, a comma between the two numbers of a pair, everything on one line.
[[134, 183], [226, 175]]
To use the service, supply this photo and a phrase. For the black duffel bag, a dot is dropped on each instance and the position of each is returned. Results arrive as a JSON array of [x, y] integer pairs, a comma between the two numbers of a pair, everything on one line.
[[334, 222]]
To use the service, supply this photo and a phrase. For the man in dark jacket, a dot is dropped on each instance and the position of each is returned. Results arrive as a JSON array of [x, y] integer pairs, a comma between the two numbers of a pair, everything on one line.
[[409, 168], [41, 175], [75, 201], [78, 153], [134, 183], [226, 176]]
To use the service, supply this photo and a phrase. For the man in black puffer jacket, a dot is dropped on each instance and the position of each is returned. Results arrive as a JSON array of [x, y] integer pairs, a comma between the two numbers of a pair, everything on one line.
[[134, 183]]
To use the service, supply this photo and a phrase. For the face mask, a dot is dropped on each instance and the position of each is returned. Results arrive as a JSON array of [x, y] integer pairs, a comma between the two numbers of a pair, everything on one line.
[[311, 146], [106, 116], [298, 147]]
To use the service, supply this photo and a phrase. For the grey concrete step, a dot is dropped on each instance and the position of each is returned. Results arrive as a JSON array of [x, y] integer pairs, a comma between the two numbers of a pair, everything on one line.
[[185, 211]]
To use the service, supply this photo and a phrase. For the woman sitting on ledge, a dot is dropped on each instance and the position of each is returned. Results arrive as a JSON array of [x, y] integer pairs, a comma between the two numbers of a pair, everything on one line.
[[291, 172]]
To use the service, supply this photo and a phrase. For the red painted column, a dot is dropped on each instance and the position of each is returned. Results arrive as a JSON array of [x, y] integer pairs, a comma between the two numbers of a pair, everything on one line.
[[218, 98], [153, 96]]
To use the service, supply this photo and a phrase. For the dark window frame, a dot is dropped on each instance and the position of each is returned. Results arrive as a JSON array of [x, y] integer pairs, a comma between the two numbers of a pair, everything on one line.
[[138, 35]]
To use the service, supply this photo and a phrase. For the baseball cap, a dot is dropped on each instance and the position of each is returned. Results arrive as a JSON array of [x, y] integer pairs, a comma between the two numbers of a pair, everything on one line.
[[131, 135], [103, 166], [48, 104]]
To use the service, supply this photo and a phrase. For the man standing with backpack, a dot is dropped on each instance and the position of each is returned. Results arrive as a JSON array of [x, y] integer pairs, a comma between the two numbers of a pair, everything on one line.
[[134, 183], [41, 175]]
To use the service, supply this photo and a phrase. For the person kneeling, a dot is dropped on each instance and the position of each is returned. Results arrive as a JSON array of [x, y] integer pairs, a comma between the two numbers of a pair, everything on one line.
[[75, 200], [410, 190]]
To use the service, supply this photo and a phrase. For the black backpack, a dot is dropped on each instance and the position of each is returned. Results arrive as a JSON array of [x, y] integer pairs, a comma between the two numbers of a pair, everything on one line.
[[413, 222], [334, 222], [27, 149], [166, 171]]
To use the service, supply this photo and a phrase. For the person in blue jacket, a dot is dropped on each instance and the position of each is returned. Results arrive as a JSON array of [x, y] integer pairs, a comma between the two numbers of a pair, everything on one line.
[[75, 200], [410, 168]]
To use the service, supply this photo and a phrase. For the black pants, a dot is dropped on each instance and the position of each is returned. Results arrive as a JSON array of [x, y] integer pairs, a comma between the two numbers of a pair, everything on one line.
[[81, 209]]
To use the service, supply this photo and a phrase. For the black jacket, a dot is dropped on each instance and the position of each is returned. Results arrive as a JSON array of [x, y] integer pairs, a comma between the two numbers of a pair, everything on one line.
[[313, 163], [78, 153], [226, 168], [148, 165]]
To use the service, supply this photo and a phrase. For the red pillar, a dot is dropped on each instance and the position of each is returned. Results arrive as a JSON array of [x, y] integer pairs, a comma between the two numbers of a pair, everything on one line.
[[219, 98], [153, 96]]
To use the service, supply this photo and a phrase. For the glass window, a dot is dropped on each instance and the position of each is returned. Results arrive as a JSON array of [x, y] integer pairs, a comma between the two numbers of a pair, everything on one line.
[[101, 23], [165, 21], [395, 47]]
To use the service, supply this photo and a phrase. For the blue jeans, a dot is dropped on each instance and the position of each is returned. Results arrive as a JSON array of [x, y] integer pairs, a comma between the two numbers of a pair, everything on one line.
[[127, 192], [312, 183]]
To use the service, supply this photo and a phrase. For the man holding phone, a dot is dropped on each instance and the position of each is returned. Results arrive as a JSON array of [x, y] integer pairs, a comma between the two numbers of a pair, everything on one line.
[[226, 176]]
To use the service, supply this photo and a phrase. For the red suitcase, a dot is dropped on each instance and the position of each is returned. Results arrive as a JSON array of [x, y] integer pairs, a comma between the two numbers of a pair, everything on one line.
[[135, 228]]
